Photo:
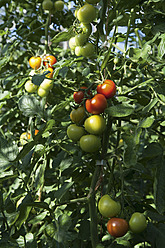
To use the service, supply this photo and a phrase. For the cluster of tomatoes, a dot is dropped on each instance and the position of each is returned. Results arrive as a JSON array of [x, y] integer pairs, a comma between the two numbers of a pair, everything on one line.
[[89, 124], [80, 42], [53, 6], [118, 227], [41, 66]]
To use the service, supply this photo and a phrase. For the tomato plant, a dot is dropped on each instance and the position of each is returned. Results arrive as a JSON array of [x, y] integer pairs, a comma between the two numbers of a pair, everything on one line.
[[90, 143], [49, 60], [86, 14], [78, 115], [117, 227], [137, 222], [95, 124], [75, 132], [35, 62], [108, 88], [108, 207], [96, 105]]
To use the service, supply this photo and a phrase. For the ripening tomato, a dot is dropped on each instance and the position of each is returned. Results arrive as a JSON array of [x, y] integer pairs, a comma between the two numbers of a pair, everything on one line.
[[117, 227], [137, 222], [26, 136], [96, 105], [78, 115], [95, 124], [108, 207], [79, 95], [75, 132], [30, 87], [86, 14], [35, 62], [49, 60], [90, 143], [108, 88], [49, 72]]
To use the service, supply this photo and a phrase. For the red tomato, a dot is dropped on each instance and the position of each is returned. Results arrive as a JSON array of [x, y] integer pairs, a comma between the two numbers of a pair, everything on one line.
[[96, 105], [108, 88], [49, 60], [117, 227], [35, 62], [79, 95]]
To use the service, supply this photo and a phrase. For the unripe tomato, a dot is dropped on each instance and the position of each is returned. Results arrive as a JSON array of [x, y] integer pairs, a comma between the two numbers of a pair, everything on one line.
[[92, 1], [108, 207], [137, 222], [108, 88], [35, 62], [86, 13], [75, 132], [49, 60], [72, 43], [96, 105], [78, 115], [95, 124], [30, 87], [78, 50], [59, 5], [42, 92], [47, 5], [88, 50], [86, 29], [79, 95], [90, 143], [117, 227], [46, 84], [80, 39]]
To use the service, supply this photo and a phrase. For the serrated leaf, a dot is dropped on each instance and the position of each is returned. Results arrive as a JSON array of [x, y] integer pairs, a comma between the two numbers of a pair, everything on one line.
[[63, 36], [120, 110]]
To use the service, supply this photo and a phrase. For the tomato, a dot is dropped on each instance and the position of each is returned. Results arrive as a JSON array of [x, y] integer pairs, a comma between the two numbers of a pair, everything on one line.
[[96, 105], [49, 60], [59, 5], [78, 50], [75, 132], [79, 95], [35, 62], [108, 207], [90, 143], [92, 1], [80, 39], [30, 87], [117, 227], [86, 29], [78, 115], [46, 84], [47, 5], [88, 50], [95, 124], [72, 43], [137, 222], [42, 92], [108, 88], [50, 74], [26, 136], [86, 14]]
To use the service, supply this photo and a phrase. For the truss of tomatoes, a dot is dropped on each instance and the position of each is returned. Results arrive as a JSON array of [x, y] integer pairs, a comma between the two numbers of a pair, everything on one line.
[[94, 125], [41, 66]]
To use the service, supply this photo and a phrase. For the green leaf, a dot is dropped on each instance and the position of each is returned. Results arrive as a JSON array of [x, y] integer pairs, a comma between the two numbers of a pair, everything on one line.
[[30, 106], [147, 122], [156, 235], [62, 191], [120, 110], [130, 157], [161, 47], [63, 36]]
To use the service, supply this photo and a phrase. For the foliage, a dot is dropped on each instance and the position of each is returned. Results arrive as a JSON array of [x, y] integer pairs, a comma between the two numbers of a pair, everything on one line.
[[50, 188]]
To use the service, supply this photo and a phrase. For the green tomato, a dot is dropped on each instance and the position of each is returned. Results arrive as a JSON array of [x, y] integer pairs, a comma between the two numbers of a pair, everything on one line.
[[47, 84], [72, 43], [138, 222], [47, 5], [95, 124], [88, 50], [78, 50], [108, 207], [75, 132], [42, 93], [59, 5], [92, 1], [78, 115], [86, 29], [30, 87], [90, 143], [86, 13], [80, 39]]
